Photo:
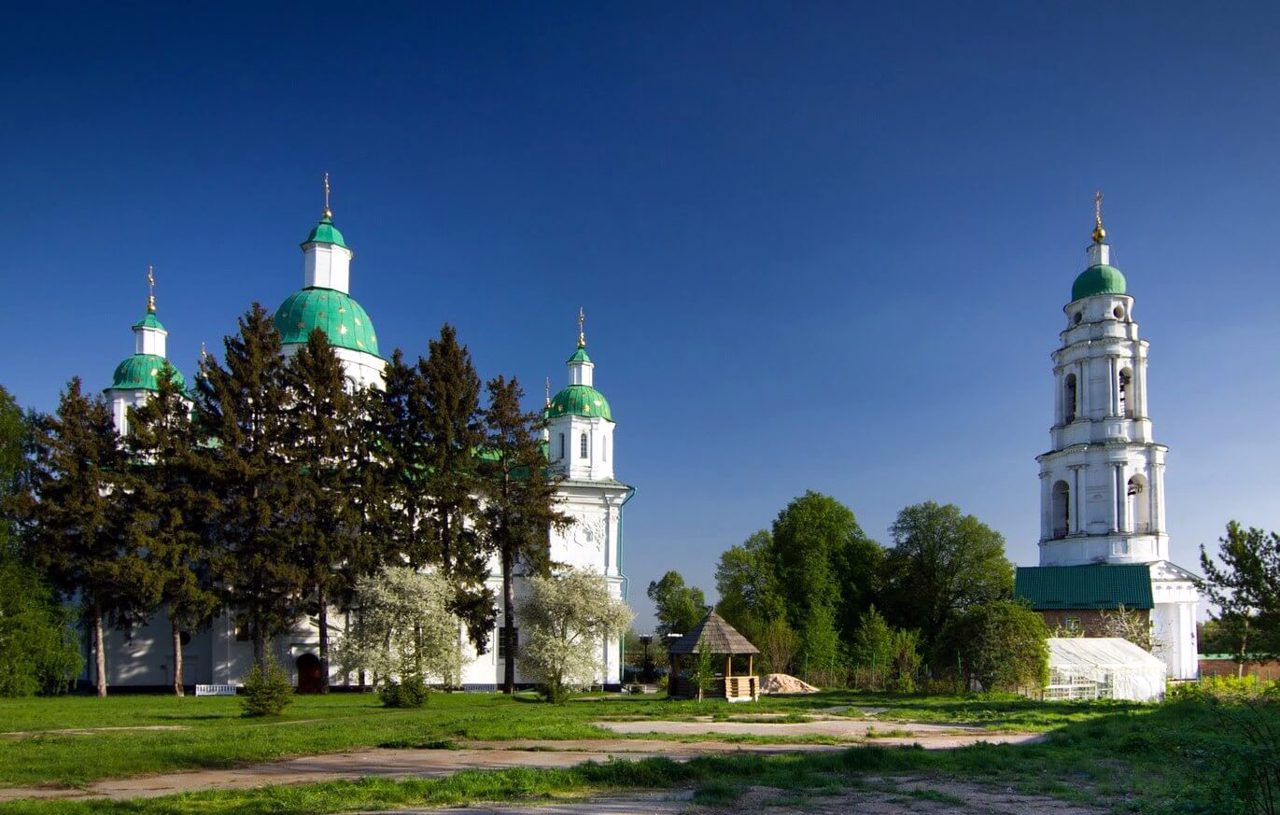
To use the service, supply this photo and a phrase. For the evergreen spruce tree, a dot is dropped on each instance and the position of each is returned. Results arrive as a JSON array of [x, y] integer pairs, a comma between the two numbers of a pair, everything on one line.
[[241, 411], [454, 435], [77, 517], [519, 499], [397, 421], [323, 440], [166, 509]]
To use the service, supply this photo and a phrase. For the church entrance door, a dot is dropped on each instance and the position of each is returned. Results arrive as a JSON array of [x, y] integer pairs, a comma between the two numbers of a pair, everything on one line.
[[309, 676]]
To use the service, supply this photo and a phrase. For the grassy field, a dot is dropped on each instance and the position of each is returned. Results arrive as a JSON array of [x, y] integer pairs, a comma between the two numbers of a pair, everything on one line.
[[1175, 758], [69, 741]]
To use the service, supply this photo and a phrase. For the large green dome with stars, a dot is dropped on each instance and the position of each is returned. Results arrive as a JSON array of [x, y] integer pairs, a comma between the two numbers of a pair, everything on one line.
[[343, 321], [142, 371], [579, 400]]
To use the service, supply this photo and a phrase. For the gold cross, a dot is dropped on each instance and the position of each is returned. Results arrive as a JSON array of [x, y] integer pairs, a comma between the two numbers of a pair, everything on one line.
[[328, 213], [151, 289], [582, 337], [1099, 234]]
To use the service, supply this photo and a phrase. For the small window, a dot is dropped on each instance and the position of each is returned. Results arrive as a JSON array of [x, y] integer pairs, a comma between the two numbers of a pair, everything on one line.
[[1069, 399], [1077, 317], [242, 629], [504, 647], [582, 446], [561, 445], [1118, 313], [1072, 624]]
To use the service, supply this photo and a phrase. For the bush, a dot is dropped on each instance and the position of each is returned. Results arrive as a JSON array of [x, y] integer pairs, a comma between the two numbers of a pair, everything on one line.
[[996, 646], [411, 692], [1223, 689], [267, 692]]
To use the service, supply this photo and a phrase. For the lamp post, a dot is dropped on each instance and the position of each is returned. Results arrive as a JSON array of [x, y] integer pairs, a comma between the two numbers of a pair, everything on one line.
[[646, 672]]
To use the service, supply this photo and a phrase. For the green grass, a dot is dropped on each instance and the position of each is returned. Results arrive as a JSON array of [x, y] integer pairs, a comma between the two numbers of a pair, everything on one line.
[[1174, 758], [214, 735]]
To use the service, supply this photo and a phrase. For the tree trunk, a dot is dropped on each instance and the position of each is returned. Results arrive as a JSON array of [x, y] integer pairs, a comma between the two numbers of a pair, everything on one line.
[[259, 644], [178, 690], [99, 651], [323, 618], [508, 622]]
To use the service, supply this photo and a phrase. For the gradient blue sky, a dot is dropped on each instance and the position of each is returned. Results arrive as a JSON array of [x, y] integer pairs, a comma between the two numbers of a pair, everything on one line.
[[820, 245]]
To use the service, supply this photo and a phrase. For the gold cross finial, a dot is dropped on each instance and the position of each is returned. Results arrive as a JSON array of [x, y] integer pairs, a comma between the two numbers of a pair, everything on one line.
[[548, 387], [582, 337], [328, 213], [151, 289], [204, 352], [1099, 234]]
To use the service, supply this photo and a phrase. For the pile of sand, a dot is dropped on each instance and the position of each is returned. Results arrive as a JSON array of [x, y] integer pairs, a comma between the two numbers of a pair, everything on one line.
[[785, 683]]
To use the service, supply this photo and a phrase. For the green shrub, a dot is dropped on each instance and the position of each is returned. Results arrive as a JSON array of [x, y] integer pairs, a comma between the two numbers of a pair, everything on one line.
[[410, 692], [267, 691], [1223, 689]]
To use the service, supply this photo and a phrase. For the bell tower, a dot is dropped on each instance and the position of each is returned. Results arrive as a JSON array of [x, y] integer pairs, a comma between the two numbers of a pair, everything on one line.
[[1102, 481]]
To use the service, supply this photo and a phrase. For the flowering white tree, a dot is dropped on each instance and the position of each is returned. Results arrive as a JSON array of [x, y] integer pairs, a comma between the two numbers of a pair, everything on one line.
[[567, 617], [403, 628]]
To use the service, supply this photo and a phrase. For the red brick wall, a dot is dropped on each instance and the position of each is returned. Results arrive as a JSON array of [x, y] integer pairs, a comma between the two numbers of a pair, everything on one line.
[[1090, 620], [1267, 670]]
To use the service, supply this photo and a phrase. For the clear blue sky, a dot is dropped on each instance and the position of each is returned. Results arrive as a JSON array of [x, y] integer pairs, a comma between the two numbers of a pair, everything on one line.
[[820, 245]]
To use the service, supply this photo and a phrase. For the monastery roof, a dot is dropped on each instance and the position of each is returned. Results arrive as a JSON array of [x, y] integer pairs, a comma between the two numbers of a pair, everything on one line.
[[1094, 586]]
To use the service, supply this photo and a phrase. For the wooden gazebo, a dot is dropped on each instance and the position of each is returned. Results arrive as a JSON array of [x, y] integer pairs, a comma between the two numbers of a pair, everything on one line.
[[719, 639]]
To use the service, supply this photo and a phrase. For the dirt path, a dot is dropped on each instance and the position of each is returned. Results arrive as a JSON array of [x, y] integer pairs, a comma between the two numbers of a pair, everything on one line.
[[496, 755]]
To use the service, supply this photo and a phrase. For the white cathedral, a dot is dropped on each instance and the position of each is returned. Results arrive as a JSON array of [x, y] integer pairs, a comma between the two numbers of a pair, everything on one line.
[[581, 450], [1104, 537]]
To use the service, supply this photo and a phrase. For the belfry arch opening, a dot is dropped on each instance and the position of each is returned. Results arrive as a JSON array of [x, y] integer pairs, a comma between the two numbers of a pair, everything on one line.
[[1069, 399], [1126, 393], [1061, 510], [1139, 504]]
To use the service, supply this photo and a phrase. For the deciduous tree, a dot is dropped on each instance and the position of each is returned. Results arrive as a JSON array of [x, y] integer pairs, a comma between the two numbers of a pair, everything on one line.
[[999, 645], [941, 562], [567, 617], [679, 607], [747, 582]]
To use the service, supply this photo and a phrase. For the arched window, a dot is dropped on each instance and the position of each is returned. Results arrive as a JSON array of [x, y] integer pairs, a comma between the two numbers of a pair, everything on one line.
[[1069, 399], [582, 446], [561, 457], [1126, 404], [1061, 522], [1139, 504]]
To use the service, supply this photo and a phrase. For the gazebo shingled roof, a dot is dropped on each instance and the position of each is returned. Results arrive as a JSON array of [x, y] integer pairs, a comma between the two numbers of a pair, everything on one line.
[[718, 636]]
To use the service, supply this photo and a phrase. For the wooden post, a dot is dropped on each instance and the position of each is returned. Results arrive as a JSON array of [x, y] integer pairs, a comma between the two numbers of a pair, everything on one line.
[[750, 665]]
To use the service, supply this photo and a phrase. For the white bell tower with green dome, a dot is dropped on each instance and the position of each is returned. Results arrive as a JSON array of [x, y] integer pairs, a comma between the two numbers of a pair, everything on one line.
[[137, 376], [580, 421], [1102, 482], [324, 302], [580, 438]]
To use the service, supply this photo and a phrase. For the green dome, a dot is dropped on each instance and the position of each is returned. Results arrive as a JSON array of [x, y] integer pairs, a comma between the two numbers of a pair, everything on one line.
[[341, 318], [149, 321], [579, 356], [325, 232], [1098, 280], [143, 371], [579, 400]]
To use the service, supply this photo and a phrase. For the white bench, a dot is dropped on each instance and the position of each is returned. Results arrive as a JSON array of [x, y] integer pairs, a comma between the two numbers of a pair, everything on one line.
[[215, 690]]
